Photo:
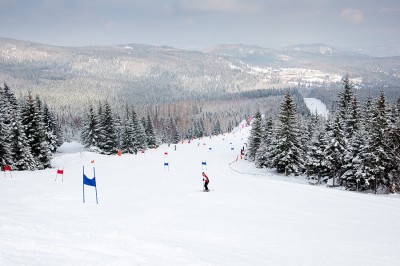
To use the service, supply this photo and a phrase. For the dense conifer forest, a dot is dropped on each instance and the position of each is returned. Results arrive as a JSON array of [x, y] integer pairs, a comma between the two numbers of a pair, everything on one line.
[[29, 132], [357, 147]]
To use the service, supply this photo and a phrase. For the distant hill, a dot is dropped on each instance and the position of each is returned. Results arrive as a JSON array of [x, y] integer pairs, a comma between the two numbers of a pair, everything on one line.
[[139, 74], [318, 57]]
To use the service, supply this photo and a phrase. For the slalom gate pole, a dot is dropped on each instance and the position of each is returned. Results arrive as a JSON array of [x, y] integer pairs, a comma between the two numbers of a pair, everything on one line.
[[95, 187], [83, 184]]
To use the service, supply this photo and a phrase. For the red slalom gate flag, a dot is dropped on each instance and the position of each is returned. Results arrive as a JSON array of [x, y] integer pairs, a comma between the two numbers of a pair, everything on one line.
[[5, 169], [60, 172]]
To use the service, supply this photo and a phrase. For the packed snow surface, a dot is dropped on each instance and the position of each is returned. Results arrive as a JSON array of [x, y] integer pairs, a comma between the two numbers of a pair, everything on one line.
[[315, 105], [148, 215]]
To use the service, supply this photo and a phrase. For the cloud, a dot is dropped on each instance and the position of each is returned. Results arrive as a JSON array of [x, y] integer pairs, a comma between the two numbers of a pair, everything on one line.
[[221, 6], [353, 15]]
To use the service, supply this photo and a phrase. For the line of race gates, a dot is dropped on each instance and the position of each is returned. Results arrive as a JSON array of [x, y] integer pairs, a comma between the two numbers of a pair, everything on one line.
[[92, 181]]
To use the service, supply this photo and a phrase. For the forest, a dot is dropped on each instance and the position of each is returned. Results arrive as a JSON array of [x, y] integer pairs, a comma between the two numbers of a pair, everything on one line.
[[357, 147]]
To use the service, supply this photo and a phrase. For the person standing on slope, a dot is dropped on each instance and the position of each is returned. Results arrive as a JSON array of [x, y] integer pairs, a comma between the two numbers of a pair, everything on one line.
[[206, 181]]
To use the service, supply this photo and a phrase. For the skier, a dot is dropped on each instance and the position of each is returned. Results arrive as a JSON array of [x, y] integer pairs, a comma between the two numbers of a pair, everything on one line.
[[206, 181]]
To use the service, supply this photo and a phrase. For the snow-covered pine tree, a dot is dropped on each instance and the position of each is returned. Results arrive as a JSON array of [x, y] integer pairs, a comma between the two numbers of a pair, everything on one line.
[[335, 148], [255, 136], [108, 132], [352, 145], [262, 155], [353, 161], [288, 153], [32, 121], [90, 131], [21, 155], [100, 118], [175, 138], [151, 135], [344, 112], [393, 146], [5, 130], [127, 135], [217, 128], [379, 127], [11, 99], [315, 157], [21, 150], [50, 128], [140, 139]]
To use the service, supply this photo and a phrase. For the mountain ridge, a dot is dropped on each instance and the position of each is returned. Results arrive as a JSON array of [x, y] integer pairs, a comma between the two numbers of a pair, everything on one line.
[[146, 74]]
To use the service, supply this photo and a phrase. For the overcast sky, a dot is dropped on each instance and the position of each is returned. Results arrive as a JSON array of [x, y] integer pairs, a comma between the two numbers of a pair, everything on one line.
[[192, 24]]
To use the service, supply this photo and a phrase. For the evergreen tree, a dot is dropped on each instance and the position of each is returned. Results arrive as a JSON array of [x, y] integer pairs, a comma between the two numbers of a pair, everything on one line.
[[21, 151], [151, 136], [262, 155], [175, 138], [393, 147], [32, 121], [335, 148], [108, 131], [315, 157], [353, 162], [352, 144], [344, 107], [140, 139], [90, 130], [50, 128], [5, 131], [217, 128], [127, 138], [255, 136], [379, 128], [288, 155]]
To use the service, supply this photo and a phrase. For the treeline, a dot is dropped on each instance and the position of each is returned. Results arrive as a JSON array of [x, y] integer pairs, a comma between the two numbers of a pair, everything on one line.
[[106, 129], [358, 147], [29, 132], [106, 132]]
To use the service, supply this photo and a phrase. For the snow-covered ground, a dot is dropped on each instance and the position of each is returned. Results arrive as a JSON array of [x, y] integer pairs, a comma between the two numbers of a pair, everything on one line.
[[150, 216], [316, 105]]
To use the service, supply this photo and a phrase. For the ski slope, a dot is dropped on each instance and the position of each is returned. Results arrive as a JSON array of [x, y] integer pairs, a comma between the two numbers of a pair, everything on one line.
[[150, 216], [316, 106]]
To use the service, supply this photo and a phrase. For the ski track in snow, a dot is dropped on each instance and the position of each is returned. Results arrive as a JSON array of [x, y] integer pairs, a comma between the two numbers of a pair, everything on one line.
[[150, 216]]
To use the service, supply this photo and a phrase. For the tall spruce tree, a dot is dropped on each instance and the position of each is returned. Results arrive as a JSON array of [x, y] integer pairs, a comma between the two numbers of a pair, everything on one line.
[[151, 136], [32, 120], [315, 157], [5, 130], [127, 138], [379, 128], [255, 136], [50, 128], [21, 151], [108, 132], [393, 147], [140, 139], [90, 131], [288, 153], [335, 147], [262, 155]]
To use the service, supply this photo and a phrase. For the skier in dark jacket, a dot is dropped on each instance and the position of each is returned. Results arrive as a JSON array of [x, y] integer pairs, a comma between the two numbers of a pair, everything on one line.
[[206, 181]]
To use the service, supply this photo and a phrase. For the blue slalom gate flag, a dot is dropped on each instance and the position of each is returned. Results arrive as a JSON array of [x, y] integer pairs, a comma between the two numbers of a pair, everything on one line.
[[204, 163], [89, 182]]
